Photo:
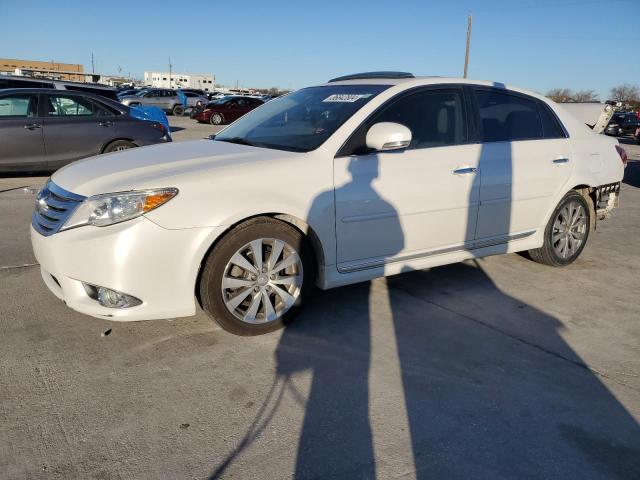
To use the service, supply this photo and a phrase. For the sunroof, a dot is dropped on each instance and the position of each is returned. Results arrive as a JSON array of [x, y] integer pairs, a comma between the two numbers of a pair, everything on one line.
[[359, 76]]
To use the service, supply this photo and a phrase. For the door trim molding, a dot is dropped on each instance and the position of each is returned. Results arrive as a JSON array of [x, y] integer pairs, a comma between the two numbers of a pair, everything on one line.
[[475, 245]]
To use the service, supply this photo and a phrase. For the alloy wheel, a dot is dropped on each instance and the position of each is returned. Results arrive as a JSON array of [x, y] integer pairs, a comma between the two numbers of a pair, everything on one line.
[[262, 280], [569, 230]]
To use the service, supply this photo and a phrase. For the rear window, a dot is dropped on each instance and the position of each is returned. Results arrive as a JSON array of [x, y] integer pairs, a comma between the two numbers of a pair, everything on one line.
[[505, 117], [103, 92], [551, 127]]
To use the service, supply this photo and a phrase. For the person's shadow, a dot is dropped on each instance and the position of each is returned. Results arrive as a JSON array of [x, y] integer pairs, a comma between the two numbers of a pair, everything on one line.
[[337, 413], [488, 387]]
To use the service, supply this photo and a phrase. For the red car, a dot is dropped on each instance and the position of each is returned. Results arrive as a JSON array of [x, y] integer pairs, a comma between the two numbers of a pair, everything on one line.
[[226, 110]]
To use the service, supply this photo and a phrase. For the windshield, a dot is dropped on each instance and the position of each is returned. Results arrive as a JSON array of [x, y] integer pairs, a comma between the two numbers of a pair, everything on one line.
[[300, 121]]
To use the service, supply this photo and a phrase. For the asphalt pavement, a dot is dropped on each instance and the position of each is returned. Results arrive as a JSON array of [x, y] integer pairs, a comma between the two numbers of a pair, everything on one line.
[[495, 368]]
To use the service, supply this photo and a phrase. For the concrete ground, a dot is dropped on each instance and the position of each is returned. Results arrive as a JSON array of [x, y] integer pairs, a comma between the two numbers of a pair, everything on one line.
[[184, 128], [497, 368]]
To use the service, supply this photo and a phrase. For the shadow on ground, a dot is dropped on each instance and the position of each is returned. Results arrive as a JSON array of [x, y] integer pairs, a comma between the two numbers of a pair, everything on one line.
[[632, 174], [480, 401]]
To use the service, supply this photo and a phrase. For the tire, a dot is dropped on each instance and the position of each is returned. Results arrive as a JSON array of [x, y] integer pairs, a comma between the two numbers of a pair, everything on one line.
[[567, 232], [216, 119], [177, 110], [119, 145], [239, 304]]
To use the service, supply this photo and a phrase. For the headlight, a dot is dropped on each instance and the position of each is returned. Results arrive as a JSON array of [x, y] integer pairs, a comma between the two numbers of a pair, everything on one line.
[[110, 208]]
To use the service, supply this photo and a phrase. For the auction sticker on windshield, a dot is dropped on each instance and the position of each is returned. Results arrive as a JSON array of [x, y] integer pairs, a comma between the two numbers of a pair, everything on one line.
[[346, 97]]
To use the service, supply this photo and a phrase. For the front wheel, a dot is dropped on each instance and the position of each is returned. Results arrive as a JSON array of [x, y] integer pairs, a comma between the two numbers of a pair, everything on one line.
[[566, 233], [118, 146], [216, 119], [254, 279]]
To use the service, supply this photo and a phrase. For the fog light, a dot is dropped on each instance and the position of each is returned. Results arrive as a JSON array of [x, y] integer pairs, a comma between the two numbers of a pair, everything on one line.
[[110, 298], [113, 299]]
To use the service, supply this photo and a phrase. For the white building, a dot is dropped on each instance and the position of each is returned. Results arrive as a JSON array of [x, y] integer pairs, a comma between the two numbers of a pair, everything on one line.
[[178, 80]]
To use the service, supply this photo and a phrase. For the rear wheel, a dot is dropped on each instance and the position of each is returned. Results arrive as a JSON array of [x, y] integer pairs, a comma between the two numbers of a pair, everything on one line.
[[119, 145], [566, 233], [216, 119], [255, 278], [178, 110]]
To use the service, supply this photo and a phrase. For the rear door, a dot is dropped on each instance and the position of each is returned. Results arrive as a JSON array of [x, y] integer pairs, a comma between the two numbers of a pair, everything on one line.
[[21, 134], [75, 127], [525, 161]]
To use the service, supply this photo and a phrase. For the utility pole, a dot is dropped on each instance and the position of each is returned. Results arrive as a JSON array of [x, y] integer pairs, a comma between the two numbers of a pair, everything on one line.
[[169, 72], [466, 56], [93, 67]]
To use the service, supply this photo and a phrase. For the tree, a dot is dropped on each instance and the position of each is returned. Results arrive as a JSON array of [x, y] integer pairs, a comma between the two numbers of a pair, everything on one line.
[[585, 96], [627, 94], [560, 95], [565, 95]]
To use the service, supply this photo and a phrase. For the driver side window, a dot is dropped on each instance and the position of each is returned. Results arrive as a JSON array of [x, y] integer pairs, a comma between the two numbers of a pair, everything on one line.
[[435, 118]]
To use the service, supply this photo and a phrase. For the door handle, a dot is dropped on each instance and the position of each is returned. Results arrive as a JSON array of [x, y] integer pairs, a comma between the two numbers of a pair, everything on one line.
[[32, 126], [560, 161], [105, 123], [464, 171]]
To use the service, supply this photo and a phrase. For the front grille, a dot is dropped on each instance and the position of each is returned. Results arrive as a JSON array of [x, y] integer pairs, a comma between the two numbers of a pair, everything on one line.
[[53, 206]]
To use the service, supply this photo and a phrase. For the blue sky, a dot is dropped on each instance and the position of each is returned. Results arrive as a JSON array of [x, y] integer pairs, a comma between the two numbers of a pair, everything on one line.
[[533, 44]]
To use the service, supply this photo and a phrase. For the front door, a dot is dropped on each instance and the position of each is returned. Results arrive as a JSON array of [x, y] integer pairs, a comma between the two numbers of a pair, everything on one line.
[[21, 138], [411, 202], [75, 127]]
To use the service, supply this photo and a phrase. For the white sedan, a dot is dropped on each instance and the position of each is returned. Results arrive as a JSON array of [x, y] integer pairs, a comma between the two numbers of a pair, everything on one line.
[[365, 176]]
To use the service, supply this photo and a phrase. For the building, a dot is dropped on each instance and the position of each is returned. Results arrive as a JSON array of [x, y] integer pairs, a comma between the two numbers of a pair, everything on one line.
[[59, 71], [178, 80], [115, 81]]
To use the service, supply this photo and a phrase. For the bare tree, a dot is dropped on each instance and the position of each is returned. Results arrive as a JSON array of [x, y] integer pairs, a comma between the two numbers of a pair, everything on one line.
[[627, 94], [585, 96], [560, 95]]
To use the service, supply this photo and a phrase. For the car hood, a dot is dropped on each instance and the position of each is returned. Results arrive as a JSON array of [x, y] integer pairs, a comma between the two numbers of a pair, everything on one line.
[[166, 165]]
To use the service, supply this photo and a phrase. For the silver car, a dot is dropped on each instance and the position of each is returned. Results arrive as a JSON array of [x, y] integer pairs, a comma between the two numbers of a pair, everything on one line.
[[194, 100], [164, 98]]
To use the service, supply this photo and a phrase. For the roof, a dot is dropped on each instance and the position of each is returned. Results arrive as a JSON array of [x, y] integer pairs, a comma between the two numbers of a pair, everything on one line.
[[54, 80], [432, 80], [59, 91]]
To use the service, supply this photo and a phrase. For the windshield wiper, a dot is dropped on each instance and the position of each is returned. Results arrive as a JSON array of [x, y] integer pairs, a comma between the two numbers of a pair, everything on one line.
[[238, 140]]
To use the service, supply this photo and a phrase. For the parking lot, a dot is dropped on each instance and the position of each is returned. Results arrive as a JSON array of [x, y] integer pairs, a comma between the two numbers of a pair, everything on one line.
[[493, 368]]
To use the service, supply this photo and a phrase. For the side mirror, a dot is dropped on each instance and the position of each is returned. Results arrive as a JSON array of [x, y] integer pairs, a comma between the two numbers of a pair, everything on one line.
[[385, 136]]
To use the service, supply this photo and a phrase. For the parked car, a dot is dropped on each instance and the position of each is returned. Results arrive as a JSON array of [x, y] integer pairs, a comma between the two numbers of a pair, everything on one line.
[[44, 129], [365, 176], [624, 125], [11, 81], [226, 110], [164, 98], [128, 92], [195, 100], [218, 95], [198, 91]]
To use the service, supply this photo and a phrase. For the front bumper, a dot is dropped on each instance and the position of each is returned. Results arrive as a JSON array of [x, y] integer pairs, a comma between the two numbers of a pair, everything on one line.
[[138, 257], [200, 116]]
